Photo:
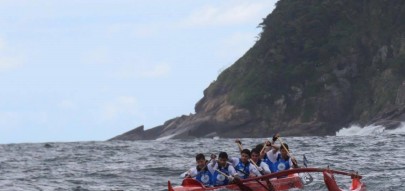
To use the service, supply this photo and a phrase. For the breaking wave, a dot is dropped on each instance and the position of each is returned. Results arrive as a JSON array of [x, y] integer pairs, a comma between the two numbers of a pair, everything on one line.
[[356, 130]]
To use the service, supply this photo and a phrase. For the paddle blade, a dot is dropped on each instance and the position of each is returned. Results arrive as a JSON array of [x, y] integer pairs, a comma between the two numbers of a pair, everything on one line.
[[305, 161], [241, 186], [270, 185]]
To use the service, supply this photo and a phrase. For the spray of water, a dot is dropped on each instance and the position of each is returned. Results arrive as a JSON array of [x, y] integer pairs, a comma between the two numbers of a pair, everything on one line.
[[356, 130]]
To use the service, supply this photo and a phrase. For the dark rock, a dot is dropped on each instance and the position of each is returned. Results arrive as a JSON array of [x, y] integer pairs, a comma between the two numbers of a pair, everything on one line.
[[139, 134], [48, 145]]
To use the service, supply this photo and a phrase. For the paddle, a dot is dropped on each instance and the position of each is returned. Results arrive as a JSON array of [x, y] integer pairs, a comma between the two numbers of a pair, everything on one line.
[[305, 161], [268, 141], [288, 152], [254, 164], [237, 181], [264, 147]]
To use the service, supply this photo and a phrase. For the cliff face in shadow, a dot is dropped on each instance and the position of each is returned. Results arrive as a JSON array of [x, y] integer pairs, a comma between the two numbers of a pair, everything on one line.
[[318, 66]]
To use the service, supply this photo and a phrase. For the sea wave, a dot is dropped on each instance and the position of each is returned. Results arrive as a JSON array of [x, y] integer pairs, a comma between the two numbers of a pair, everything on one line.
[[149, 165], [357, 130]]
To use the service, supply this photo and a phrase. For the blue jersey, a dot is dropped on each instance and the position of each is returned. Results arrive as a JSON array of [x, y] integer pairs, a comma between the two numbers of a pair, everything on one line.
[[281, 164], [204, 176], [269, 163], [243, 168], [219, 179]]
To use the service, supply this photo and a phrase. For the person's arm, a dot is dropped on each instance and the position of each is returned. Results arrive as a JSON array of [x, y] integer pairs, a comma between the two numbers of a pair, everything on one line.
[[192, 173], [293, 163], [239, 143], [274, 147], [253, 171], [272, 155], [213, 161], [210, 168], [232, 171], [266, 148], [234, 161], [275, 137], [265, 167], [215, 167]]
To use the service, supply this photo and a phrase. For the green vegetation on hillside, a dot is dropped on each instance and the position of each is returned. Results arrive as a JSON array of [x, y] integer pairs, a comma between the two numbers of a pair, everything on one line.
[[308, 49]]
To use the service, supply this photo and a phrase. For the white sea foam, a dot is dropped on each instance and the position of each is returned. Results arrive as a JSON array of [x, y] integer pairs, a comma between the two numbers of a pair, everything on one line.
[[356, 130], [166, 137]]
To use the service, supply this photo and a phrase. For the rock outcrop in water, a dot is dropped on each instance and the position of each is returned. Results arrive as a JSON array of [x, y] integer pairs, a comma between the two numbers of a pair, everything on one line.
[[318, 66]]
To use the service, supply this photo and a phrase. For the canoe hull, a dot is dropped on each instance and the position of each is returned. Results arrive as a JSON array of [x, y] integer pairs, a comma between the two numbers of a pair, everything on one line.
[[292, 181]]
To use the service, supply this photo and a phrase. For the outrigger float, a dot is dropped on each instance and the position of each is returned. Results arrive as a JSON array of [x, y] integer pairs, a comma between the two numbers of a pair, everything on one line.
[[272, 182]]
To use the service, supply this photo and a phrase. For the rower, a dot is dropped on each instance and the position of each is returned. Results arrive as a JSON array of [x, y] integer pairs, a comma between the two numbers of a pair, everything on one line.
[[266, 148], [201, 172], [244, 168], [263, 168], [222, 165], [280, 158]]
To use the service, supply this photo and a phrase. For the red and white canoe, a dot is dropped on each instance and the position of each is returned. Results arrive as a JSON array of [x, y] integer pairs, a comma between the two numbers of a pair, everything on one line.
[[292, 181]]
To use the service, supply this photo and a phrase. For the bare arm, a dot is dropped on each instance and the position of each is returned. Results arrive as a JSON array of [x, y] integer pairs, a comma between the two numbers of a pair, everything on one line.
[[237, 141]]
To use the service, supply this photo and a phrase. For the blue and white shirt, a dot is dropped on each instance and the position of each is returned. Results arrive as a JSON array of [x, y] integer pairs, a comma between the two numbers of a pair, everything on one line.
[[279, 164], [244, 170]]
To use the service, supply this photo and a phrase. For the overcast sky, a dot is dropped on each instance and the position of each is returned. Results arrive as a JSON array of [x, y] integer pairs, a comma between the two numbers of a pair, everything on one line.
[[88, 70]]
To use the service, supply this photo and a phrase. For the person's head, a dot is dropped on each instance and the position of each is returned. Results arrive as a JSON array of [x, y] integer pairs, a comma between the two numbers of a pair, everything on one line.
[[200, 159], [222, 158], [284, 153], [259, 146], [255, 154], [245, 155]]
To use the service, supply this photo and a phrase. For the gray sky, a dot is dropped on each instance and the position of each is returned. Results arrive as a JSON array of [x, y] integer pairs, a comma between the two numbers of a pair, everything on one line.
[[90, 70]]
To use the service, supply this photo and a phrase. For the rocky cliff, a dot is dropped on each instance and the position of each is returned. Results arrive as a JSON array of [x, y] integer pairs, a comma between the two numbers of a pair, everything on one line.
[[319, 65]]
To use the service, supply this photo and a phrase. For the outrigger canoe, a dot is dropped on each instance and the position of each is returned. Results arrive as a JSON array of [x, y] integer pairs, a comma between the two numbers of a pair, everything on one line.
[[272, 182]]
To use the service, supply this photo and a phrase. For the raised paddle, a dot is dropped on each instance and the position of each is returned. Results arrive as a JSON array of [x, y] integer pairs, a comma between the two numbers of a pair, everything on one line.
[[288, 152], [237, 181], [274, 140], [264, 147]]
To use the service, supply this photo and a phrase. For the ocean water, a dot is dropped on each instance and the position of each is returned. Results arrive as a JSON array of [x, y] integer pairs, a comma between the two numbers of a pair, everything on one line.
[[147, 165]]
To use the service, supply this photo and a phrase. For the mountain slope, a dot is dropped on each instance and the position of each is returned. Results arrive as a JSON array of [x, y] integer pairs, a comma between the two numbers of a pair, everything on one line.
[[318, 65]]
